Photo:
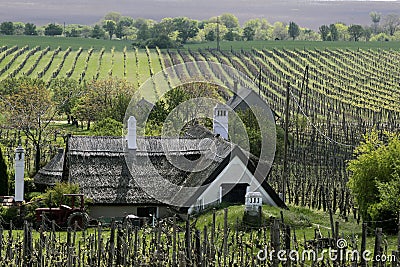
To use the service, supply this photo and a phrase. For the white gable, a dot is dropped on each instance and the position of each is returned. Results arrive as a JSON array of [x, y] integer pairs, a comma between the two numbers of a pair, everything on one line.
[[235, 172]]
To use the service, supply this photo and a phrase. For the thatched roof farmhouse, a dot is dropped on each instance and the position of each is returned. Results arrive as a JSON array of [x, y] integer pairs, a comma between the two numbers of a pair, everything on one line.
[[123, 181]]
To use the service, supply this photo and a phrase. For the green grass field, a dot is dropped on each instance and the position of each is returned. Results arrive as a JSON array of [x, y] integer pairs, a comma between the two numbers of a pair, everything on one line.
[[86, 43], [64, 42]]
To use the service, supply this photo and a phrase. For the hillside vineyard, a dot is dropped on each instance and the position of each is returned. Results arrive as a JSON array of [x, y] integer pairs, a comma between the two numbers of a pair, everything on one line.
[[336, 95]]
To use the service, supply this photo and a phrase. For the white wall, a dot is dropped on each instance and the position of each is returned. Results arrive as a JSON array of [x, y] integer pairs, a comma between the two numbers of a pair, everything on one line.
[[234, 172]]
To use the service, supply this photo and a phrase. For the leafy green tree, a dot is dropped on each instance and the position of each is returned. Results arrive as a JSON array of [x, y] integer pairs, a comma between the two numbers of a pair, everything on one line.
[[210, 36], [3, 175], [229, 36], [249, 33], [162, 41], [28, 107], [7, 28], [53, 30], [391, 23], [165, 27], [356, 32], [324, 32], [114, 16], [97, 32], [30, 29], [143, 32], [229, 20], [376, 18], [53, 197], [19, 28], [107, 127], [334, 34], [293, 30], [374, 176], [110, 27], [65, 94], [186, 28], [102, 99], [279, 31]]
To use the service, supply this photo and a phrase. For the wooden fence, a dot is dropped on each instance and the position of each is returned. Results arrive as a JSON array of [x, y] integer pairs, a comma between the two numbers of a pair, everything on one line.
[[173, 243]]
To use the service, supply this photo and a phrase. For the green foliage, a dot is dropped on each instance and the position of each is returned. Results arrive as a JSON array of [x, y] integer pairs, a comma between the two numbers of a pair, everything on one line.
[[7, 28], [210, 36], [97, 32], [334, 32], [30, 29], [53, 197], [186, 28], [248, 33], [53, 29], [110, 27], [356, 32], [229, 20], [3, 174], [104, 99], [374, 179], [324, 31], [161, 41], [66, 93], [8, 214], [107, 127], [293, 30]]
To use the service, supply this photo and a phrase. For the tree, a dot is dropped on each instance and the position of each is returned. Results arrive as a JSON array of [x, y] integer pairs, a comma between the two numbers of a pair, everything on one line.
[[229, 36], [19, 28], [334, 34], [210, 36], [186, 28], [293, 30], [376, 18], [3, 175], [103, 99], [28, 107], [114, 16], [7, 28], [279, 32], [229, 20], [30, 29], [107, 127], [356, 31], [122, 25], [110, 27], [143, 31], [65, 94], [324, 32], [162, 41], [97, 32], [248, 33], [392, 22], [53, 29], [374, 176]]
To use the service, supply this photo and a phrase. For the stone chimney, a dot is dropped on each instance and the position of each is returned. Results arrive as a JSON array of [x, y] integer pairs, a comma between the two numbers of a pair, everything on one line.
[[131, 137], [19, 173], [220, 121]]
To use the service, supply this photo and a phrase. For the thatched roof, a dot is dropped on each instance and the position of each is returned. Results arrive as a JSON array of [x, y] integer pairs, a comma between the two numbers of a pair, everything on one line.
[[52, 172], [108, 173]]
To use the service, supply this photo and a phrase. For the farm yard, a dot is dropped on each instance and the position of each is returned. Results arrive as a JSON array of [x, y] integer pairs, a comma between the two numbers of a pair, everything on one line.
[[337, 94]]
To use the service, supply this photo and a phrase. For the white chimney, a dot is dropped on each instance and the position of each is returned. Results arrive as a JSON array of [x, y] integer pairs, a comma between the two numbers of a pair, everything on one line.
[[19, 173], [220, 120], [131, 138]]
